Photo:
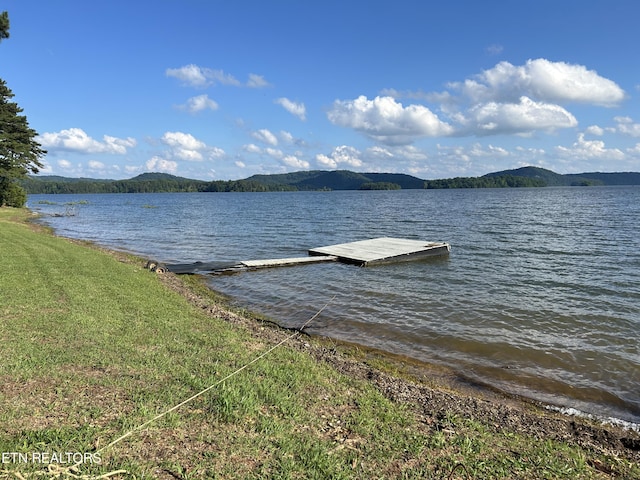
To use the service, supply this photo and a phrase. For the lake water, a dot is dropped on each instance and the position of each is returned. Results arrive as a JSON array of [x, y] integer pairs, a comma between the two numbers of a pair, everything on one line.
[[539, 297]]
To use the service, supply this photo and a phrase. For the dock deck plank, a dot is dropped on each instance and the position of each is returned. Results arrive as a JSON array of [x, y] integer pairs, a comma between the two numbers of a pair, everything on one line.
[[382, 250], [281, 262]]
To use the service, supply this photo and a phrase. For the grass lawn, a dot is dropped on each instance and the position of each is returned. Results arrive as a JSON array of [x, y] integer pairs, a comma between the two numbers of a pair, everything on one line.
[[92, 347]]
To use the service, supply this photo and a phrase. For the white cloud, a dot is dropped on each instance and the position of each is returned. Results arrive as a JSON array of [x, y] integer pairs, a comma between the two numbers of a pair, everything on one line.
[[523, 117], [96, 165], [506, 99], [494, 49], [66, 164], [202, 77], [379, 152], [589, 149], [342, 155], [158, 164], [387, 121], [76, 139], [195, 76], [479, 150], [265, 136], [410, 152], [189, 74], [286, 137], [200, 103], [118, 145], [252, 148], [215, 152], [634, 150], [626, 126], [542, 80], [274, 152], [295, 162], [256, 81], [325, 161], [595, 130], [294, 108], [184, 146]]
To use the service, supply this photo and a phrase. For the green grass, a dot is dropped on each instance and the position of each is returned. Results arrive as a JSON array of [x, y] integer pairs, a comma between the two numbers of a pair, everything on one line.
[[93, 347]]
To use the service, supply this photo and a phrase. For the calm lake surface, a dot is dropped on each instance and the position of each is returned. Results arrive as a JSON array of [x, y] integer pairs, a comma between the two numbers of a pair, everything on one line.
[[540, 295]]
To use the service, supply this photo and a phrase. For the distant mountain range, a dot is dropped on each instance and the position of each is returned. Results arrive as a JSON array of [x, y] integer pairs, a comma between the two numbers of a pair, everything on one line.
[[323, 180]]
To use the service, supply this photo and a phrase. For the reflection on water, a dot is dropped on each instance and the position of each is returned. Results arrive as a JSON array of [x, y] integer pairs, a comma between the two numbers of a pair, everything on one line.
[[540, 295]]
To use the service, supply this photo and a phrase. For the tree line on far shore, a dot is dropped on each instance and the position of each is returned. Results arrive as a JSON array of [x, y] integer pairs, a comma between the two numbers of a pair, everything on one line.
[[163, 183]]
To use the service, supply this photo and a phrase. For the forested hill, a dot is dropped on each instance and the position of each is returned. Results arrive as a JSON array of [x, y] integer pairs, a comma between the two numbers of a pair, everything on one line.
[[323, 180], [340, 180], [552, 179]]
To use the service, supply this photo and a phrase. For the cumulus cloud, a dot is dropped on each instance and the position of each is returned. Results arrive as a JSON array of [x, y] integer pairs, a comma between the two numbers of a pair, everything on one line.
[[252, 148], [77, 140], [589, 149], [265, 136], [490, 151], [294, 108], [215, 152], [595, 130], [410, 152], [256, 81], [286, 137], [542, 80], [295, 162], [505, 99], [96, 165], [626, 126], [184, 146], [274, 152], [159, 164], [379, 152], [387, 121], [202, 77], [522, 117], [343, 155], [195, 76], [190, 75], [634, 150], [200, 103]]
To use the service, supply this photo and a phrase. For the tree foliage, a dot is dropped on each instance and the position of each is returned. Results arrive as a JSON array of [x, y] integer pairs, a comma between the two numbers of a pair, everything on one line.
[[4, 25], [502, 181], [380, 186], [20, 153]]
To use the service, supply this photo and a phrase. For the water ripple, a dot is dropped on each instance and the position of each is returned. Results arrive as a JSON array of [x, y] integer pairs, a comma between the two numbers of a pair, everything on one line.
[[540, 295]]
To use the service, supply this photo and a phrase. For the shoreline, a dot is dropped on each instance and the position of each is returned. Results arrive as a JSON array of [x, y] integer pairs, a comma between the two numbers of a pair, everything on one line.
[[417, 370], [448, 376], [425, 324], [434, 389], [432, 395]]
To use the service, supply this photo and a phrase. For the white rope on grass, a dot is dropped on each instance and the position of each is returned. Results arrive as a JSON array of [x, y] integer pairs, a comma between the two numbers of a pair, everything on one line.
[[56, 471], [202, 392]]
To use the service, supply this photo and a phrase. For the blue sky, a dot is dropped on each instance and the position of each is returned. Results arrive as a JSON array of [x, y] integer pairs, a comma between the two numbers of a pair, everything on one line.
[[227, 89]]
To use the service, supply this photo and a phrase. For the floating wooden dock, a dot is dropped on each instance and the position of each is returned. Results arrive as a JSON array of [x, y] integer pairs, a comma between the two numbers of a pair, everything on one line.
[[382, 250], [363, 253]]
